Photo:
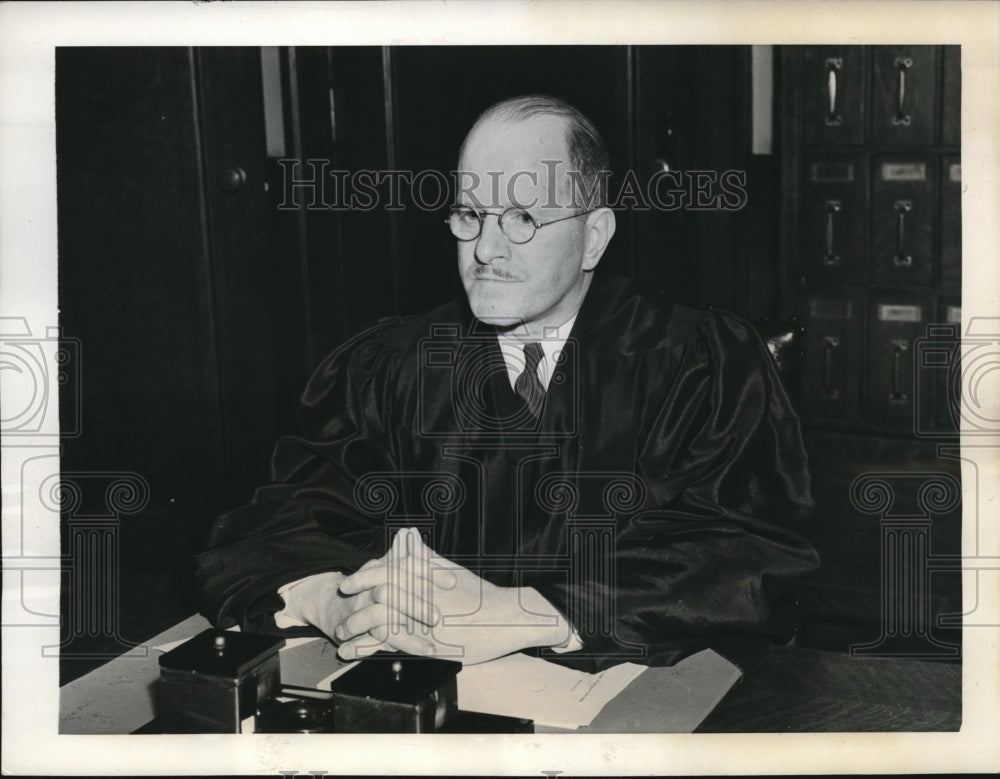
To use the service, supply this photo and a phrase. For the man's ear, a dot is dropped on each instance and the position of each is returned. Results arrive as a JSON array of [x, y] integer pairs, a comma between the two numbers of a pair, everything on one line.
[[598, 229]]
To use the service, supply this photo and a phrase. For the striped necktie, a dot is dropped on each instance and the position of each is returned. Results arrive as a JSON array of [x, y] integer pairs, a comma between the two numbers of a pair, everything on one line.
[[527, 385]]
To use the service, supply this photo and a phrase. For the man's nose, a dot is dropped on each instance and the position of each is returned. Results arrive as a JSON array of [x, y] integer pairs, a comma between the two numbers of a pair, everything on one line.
[[492, 244]]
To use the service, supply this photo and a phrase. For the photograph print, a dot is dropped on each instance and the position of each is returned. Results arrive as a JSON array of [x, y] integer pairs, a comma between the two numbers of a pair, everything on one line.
[[631, 369]]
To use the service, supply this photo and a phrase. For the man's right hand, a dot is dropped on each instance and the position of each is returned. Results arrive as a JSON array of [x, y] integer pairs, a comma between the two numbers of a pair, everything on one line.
[[317, 601]]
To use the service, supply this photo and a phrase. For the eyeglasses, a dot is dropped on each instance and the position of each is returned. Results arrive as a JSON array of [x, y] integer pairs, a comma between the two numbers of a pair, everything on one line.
[[517, 225]]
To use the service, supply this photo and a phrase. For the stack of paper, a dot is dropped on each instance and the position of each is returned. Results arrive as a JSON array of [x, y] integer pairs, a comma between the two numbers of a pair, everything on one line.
[[523, 686]]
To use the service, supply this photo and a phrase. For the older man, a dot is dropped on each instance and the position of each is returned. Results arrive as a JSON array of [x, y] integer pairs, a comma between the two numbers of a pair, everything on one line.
[[552, 463]]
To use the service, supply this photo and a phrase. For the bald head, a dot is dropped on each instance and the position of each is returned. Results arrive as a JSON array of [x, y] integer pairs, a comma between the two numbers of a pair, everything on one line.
[[585, 150]]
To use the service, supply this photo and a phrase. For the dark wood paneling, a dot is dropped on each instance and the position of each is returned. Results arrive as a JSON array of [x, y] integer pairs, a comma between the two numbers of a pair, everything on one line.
[[133, 271], [951, 97], [314, 228], [242, 284], [951, 223], [666, 259], [365, 254], [943, 381], [720, 118], [760, 226], [789, 101], [166, 277]]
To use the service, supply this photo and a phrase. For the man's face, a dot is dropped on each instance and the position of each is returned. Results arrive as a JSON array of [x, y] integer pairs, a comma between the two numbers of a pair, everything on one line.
[[542, 282]]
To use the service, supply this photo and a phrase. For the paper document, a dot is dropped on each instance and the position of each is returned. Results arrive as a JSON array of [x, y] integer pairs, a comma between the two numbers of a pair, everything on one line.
[[522, 686]]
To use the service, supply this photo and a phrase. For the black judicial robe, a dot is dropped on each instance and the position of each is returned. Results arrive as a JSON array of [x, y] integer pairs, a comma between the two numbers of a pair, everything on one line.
[[654, 502]]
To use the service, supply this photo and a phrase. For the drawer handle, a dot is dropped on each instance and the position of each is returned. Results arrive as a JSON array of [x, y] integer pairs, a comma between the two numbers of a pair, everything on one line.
[[897, 396], [830, 343], [831, 259], [833, 67], [902, 65], [902, 208]]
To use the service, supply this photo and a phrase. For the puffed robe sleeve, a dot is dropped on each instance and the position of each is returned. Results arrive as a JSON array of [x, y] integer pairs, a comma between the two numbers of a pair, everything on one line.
[[714, 547], [306, 521]]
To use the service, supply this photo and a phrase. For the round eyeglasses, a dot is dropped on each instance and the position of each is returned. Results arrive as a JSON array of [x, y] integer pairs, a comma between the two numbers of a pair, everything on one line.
[[517, 225]]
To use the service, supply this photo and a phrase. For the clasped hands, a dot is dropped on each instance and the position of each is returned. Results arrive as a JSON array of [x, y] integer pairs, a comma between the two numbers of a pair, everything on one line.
[[415, 601]]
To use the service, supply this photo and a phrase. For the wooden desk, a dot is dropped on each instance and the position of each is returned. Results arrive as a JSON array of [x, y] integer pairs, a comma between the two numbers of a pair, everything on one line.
[[810, 690], [788, 689], [120, 696]]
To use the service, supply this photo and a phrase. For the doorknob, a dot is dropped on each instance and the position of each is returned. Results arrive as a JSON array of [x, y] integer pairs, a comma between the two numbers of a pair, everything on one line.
[[232, 179]]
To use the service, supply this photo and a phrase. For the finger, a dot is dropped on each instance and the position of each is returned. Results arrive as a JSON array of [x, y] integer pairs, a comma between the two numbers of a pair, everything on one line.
[[399, 545], [432, 561], [423, 563], [361, 621], [411, 599], [408, 572], [363, 646], [409, 637], [427, 562], [410, 644], [363, 579], [414, 543], [384, 639], [379, 618]]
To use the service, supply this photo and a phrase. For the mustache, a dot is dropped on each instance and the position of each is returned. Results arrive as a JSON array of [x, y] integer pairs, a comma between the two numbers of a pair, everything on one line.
[[489, 272]]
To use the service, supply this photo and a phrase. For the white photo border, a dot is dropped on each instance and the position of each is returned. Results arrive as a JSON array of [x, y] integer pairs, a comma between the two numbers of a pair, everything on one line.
[[29, 35]]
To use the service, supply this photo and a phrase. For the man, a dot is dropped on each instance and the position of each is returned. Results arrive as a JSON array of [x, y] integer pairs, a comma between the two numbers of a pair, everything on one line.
[[552, 464]]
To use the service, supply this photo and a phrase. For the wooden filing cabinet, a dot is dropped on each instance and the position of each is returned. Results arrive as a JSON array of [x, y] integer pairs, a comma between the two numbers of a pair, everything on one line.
[[872, 226]]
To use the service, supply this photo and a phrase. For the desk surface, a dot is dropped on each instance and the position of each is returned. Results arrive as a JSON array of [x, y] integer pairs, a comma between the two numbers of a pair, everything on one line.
[[119, 697], [788, 689], [793, 689]]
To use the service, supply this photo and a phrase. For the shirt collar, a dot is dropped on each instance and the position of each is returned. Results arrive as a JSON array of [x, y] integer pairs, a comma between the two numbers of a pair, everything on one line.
[[552, 342], [552, 338]]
